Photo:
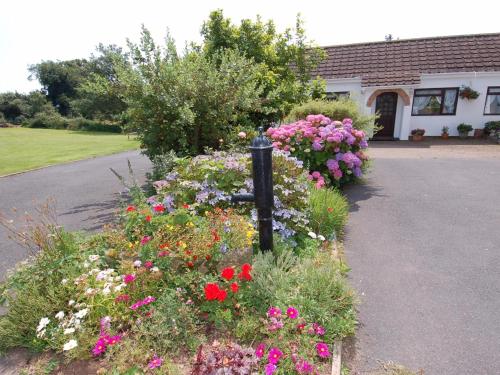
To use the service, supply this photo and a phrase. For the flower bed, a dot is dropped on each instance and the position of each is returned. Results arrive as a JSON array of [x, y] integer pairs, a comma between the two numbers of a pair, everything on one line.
[[177, 288], [331, 150]]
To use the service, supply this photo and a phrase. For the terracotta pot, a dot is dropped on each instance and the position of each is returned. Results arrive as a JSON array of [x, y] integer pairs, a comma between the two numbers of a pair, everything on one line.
[[445, 135], [417, 137], [478, 133]]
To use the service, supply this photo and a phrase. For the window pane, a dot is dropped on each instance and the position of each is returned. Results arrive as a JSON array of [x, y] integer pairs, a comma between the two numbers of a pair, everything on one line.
[[428, 92], [495, 90], [450, 97], [492, 106], [337, 95], [426, 105]]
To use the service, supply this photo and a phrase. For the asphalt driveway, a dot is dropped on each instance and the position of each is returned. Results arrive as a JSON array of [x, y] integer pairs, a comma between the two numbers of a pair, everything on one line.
[[86, 193], [423, 243]]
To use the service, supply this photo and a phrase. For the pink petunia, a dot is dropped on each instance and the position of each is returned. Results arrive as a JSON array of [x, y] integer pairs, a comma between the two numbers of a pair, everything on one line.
[[322, 350], [260, 350], [292, 313], [155, 362], [270, 369], [273, 312], [145, 240], [127, 279], [274, 355], [99, 347]]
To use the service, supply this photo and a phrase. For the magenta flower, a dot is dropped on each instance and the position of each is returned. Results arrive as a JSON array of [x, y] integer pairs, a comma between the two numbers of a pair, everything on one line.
[[322, 350], [145, 240], [155, 362], [99, 347], [112, 340], [270, 369], [274, 355], [127, 279], [304, 367], [292, 313], [136, 305], [273, 312], [319, 330], [260, 350]]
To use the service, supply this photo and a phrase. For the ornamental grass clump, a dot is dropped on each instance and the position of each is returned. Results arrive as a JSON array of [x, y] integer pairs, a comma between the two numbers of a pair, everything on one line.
[[329, 210], [332, 150]]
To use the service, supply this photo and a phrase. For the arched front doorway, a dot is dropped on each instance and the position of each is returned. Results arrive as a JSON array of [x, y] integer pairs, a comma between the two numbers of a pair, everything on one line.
[[386, 106]]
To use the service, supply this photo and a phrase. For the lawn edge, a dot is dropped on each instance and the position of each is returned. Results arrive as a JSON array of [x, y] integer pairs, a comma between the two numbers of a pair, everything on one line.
[[66, 162]]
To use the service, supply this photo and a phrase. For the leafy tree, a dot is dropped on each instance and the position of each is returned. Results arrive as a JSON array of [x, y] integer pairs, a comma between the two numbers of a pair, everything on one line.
[[59, 80], [285, 60], [99, 95], [16, 106], [185, 103]]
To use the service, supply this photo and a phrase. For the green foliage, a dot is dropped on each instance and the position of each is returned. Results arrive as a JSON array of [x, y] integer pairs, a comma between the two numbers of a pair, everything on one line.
[[464, 128], [93, 126], [35, 291], [313, 285], [285, 60], [185, 103], [329, 210], [48, 119], [173, 327], [336, 110], [16, 107]]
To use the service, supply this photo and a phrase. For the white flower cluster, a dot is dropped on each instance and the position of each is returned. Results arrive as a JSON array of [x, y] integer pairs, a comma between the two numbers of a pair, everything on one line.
[[316, 236]]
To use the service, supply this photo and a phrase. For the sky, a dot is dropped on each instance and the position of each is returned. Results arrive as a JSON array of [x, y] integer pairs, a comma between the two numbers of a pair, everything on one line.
[[36, 30]]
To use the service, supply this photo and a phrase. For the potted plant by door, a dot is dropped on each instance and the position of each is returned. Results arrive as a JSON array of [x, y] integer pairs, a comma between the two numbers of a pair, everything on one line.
[[445, 132], [463, 130], [417, 135]]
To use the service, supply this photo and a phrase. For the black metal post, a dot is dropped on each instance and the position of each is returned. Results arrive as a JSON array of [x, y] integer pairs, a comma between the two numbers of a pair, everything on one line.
[[263, 194]]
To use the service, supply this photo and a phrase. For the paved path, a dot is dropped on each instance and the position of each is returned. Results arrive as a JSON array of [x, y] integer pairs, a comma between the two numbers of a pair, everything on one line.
[[424, 245], [86, 192]]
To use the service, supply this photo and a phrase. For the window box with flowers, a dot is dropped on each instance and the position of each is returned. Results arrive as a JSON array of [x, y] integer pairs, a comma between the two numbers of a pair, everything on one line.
[[466, 92]]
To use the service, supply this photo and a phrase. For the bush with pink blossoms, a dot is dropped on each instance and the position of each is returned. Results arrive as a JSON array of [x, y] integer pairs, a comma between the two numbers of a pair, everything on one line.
[[331, 150]]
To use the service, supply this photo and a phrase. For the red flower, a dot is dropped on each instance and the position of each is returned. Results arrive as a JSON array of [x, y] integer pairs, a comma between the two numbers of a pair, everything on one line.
[[329, 209], [215, 236], [222, 295], [208, 257], [234, 287], [190, 264], [246, 268], [148, 264], [159, 208], [185, 205], [162, 246], [211, 291], [130, 208], [227, 273], [245, 276], [245, 272], [148, 218]]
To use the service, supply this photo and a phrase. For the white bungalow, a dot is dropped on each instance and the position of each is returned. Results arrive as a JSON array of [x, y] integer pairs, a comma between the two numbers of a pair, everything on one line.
[[417, 83]]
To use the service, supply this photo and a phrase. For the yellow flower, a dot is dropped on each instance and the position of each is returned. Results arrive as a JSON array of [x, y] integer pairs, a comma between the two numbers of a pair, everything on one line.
[[190, 224], [130, 245]]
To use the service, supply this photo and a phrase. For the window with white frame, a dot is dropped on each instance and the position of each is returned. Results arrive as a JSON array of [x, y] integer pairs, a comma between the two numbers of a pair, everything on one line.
[[492, 104], [435, 102]]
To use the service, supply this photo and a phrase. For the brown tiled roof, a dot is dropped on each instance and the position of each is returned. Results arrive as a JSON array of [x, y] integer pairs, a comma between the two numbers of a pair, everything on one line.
[[400, 62]]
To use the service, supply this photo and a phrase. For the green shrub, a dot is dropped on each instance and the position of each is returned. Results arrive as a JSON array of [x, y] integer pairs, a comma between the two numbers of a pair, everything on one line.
[[49, 119], [316, 286], [173, 327], [93, 126], [329, 210], [336, 110]]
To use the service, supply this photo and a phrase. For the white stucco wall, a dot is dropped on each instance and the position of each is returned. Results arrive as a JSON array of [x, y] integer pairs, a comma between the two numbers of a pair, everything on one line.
[[468, 111]]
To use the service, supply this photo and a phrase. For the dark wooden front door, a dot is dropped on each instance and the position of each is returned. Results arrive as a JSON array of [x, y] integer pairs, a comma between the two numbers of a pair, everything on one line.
[[385, 106]]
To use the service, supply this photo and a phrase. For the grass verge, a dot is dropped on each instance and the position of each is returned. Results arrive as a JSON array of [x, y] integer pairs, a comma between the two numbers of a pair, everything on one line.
[[23, 149]]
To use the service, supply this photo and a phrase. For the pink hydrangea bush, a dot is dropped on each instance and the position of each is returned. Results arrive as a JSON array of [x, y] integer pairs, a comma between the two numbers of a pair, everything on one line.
[[332, 150]]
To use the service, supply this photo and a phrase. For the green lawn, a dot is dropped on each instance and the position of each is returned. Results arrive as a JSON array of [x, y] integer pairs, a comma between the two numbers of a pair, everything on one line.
[[22, 149]]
